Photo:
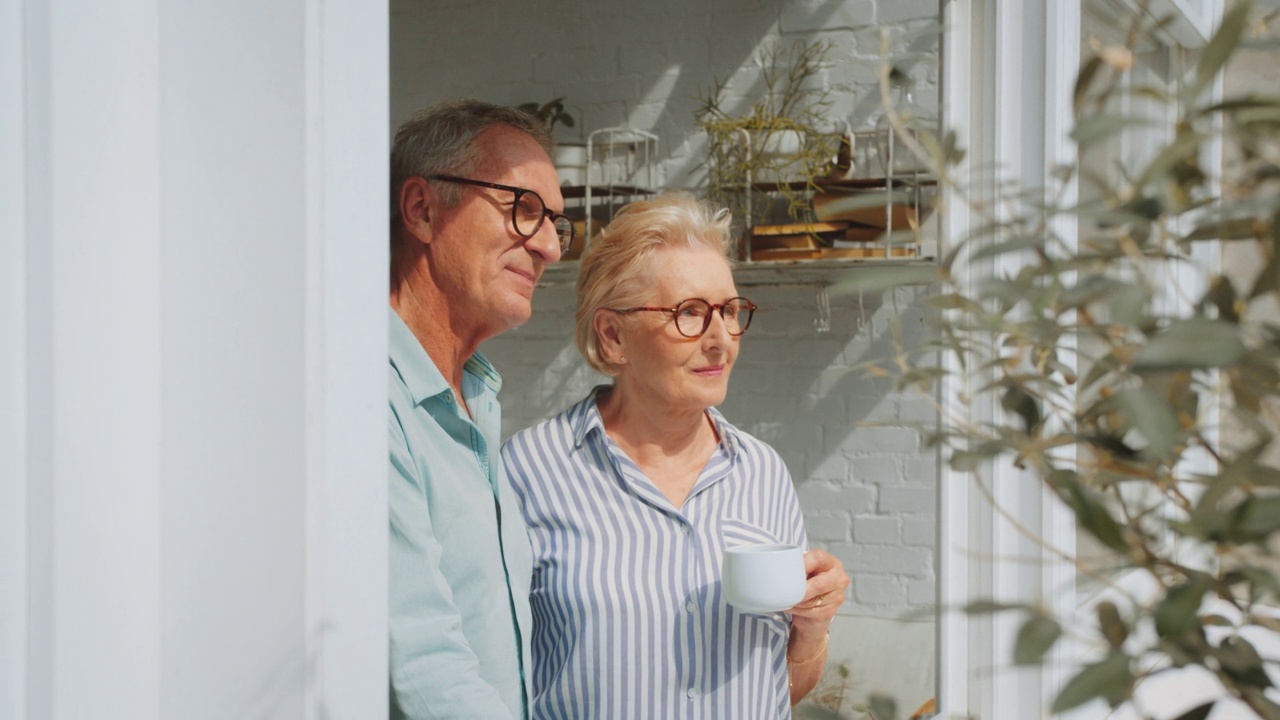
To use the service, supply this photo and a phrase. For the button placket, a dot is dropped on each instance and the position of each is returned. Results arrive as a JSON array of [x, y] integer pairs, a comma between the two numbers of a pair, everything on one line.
[[694, 576]]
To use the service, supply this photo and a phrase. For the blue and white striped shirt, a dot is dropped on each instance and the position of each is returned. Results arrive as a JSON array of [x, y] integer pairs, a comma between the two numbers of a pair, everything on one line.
[[628, 618]]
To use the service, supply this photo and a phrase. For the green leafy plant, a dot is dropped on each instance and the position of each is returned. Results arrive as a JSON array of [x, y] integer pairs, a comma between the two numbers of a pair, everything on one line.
[[790, 103], [828, 700], [550, 112], [1139, 388]]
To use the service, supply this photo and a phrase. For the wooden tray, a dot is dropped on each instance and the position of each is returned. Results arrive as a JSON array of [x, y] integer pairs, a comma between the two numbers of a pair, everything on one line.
[[862, 253], [817, 228], [852, 209]]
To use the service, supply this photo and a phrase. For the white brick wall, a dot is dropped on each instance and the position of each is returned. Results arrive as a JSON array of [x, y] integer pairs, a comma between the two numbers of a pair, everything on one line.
[[868, 491], [864, 479], [644, 64]]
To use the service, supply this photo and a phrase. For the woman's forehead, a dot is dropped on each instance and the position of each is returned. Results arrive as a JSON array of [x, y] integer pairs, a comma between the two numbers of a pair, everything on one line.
[[692, 272]]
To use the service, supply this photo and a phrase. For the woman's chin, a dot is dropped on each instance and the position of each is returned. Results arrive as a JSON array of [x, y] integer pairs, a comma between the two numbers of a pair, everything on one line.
[[709, 397]]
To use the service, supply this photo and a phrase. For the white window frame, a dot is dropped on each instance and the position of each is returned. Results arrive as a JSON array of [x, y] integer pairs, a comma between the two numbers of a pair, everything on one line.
[[1008, 69]]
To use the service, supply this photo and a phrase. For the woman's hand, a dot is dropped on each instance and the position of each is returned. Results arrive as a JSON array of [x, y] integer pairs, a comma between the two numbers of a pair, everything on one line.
[[810, 618], [824, 589]]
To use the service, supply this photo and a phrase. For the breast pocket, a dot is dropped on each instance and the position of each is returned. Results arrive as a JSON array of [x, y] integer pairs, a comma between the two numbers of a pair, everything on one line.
[[735, 532]]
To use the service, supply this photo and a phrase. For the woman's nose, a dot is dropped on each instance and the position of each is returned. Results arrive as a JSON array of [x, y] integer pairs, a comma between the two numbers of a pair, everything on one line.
[[718, 326]]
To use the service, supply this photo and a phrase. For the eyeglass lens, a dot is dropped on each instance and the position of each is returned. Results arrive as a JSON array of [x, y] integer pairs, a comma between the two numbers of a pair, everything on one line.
[[693, 316], [529, 213]]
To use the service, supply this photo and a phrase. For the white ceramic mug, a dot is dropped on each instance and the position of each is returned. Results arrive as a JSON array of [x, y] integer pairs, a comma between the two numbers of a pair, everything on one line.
[[763, 578]]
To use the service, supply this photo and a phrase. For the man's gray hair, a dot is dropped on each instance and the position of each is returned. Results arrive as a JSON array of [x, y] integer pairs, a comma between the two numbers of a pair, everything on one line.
[[440, 140]]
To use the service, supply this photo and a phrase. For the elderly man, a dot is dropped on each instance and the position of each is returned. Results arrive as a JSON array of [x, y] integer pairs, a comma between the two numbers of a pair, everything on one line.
[[476, 217]]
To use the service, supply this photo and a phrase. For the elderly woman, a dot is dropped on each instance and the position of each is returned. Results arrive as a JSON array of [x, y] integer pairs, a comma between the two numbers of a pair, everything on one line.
[[632, 495]]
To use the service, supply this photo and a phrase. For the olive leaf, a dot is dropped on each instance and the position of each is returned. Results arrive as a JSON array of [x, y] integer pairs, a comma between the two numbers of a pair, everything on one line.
[[1036, 636], [1151, 416], [1099, 127], [883, 707], [1107, 679], [1193, 343], [1177, 612], [1113, 627], [1221, 46], [1200, 712]]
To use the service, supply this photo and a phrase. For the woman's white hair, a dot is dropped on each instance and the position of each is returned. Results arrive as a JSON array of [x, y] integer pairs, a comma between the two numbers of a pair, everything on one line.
[[617, 268]]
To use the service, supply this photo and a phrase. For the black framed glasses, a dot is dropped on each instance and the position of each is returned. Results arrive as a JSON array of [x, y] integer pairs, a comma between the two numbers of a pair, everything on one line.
[[528, 211], [693, 316]]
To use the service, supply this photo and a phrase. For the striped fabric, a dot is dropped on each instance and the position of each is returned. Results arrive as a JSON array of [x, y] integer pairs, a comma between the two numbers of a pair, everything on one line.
[[628, 619]]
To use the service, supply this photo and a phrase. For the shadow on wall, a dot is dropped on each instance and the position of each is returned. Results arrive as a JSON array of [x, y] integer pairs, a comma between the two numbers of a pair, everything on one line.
[[798, 389], [803, 390], [542, 372], [866, 484], [637, 64]]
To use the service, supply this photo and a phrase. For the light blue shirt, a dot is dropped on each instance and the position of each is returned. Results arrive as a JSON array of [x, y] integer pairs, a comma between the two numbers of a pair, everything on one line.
[[628, 616], [459, 554]]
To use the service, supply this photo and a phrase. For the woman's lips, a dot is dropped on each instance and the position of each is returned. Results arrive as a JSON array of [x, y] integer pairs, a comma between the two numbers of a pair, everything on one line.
[[710, 371]]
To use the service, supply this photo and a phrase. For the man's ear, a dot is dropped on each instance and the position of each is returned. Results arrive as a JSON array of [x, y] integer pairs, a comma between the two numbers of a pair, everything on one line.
[[417, 204], [606, 326]]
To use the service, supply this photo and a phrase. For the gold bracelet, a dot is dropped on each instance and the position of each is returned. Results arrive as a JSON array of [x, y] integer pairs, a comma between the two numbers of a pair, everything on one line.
[[816, 654]]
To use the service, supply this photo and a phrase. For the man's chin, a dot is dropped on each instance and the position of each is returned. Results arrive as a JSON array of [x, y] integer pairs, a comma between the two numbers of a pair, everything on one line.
[[517, 316]]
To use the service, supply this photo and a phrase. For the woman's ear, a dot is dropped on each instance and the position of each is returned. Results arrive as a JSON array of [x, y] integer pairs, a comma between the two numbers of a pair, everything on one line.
[[608, 330], [416, 203]]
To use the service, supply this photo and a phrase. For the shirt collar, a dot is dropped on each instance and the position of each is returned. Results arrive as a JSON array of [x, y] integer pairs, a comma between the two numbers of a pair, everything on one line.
[[588, 417], [730, 437], [419, 372], [588, 420]]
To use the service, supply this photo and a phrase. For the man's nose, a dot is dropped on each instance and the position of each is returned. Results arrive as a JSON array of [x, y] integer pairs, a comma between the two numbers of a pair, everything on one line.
[[546, 242]]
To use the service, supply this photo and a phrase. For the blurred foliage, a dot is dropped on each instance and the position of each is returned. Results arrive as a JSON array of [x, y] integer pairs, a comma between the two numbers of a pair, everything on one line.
[[1138, 386], [830, 698]]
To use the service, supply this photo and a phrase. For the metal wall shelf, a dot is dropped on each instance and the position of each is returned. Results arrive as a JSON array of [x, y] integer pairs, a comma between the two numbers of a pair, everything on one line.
[[775, 273]]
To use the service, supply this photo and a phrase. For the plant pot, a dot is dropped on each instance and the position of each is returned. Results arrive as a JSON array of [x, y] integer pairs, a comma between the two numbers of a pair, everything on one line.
[[571, 163], [780, 144]]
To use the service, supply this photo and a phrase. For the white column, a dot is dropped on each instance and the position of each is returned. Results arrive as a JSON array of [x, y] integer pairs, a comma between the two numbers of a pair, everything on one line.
[[346, 349], [198, 502], [13, 368], [103, 395], [961, 66], [1008, 68]]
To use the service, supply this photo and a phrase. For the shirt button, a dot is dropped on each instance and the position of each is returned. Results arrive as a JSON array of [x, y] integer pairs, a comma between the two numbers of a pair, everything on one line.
[[684, 529], [690, 606], [691, 692]]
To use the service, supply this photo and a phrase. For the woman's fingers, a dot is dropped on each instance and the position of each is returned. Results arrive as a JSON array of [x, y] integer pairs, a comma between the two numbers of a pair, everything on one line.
[[825, 587]]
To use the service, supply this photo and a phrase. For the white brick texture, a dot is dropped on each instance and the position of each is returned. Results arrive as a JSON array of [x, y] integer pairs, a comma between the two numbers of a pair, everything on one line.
[[865, 479], [865, 488], [646, 64]]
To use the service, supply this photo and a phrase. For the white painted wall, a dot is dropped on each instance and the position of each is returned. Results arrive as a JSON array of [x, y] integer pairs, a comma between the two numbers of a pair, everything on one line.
[[866, 483], [194, 277], [864, 479], [644, 64], [862, 473], [13, 371]]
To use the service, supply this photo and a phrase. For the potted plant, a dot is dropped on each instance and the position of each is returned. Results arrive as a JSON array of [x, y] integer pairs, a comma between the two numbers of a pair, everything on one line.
[[783, 137], [570, 158], [549, 112]]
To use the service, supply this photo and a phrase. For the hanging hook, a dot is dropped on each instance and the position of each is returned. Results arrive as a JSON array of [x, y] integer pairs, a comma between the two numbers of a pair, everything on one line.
[[822, 323]]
